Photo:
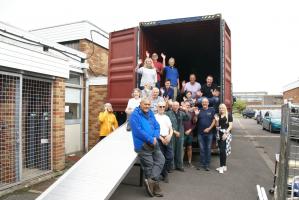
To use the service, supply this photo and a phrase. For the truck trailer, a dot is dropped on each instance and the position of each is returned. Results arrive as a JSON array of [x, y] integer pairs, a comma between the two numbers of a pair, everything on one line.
[[200, 45]]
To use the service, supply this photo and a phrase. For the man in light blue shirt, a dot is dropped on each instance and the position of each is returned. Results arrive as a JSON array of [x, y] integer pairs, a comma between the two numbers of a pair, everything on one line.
[[172, 74]]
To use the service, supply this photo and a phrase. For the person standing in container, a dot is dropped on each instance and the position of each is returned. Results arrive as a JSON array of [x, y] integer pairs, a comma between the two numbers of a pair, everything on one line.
[[148, 73], [224, 122], [107, 121], [209, 90], [191, 86], [167, 91], [159, 67], [172, 74], [132, 104], [146, 132]]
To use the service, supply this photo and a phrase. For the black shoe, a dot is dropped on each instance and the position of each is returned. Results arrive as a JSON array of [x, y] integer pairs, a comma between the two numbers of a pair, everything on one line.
[[161, 178], [166, 179], [207, 169], [180, 169], [157, 190], [170, 170], [197, 168], [149, 186]]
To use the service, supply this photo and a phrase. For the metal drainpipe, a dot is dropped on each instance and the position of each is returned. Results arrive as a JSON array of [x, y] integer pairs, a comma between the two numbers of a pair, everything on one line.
[[86, 109]]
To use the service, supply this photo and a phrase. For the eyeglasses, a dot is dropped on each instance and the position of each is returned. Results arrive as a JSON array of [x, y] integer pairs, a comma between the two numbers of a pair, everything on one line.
[[161, 106]]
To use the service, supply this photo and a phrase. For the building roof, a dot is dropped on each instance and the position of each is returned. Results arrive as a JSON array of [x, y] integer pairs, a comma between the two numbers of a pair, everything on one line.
[[75, 31], [23, 50], [259, 93], [291, 86]]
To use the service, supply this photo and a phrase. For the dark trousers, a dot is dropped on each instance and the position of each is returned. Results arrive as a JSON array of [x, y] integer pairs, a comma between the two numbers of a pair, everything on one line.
[[167, 152], [151, 160], [205, 141], [178, 151], [222, 148]]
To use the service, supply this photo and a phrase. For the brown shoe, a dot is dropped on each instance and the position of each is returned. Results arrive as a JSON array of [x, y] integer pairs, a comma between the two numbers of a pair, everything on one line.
[[149, 186], [157, 190]]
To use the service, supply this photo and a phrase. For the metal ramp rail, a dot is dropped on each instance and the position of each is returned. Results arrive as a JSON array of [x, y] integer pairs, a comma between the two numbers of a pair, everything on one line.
[[96, 175]]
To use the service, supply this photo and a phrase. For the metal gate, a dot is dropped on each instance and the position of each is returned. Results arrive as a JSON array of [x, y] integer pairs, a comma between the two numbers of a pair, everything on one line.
[[288, 166], [25, 128]]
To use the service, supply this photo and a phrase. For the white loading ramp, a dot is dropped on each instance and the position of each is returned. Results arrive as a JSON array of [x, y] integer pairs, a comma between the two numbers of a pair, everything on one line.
[[96, 175]]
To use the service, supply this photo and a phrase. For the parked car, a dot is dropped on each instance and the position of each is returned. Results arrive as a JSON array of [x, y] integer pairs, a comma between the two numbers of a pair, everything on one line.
[[255, 114], [260, 116], [272, 121], [248, 113]]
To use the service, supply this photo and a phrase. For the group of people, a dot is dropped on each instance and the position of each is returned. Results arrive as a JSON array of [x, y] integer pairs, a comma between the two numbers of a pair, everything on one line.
[[162, 128]]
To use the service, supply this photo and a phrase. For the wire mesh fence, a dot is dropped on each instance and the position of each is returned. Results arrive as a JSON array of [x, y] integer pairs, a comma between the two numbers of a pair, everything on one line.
[[25, 128], [9, 129], [289, 151], [36, 127]]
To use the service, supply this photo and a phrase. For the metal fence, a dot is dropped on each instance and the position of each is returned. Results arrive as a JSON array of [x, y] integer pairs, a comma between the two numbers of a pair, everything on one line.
[[25, 128], [288, 166], [9, 129]]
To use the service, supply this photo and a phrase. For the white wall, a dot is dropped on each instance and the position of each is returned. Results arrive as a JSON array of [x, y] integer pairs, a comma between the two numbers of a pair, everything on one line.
[[73, 31]]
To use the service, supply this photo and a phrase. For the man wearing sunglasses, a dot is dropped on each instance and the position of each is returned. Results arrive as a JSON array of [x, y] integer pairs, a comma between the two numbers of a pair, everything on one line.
[[165, 137], [146, 132]]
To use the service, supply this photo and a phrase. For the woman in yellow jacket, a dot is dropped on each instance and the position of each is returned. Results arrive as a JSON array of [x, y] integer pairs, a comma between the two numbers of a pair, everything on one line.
[[107, 120]]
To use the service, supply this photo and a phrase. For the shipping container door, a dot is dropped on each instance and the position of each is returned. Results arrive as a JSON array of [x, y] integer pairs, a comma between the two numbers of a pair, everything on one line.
[[122, 63], [226, 65]]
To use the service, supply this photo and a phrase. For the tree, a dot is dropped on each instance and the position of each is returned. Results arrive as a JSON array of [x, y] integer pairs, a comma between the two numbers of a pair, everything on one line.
[[239, 106]]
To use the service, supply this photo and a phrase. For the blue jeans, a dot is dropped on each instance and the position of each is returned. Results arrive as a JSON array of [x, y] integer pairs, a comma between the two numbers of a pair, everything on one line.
[[205, 141], [167, 152], [158, 85]]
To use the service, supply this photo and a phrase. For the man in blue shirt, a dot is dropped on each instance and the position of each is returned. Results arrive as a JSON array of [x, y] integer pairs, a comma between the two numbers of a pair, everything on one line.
[[172, 74], [167, 91], [145, 132], [206, 122]]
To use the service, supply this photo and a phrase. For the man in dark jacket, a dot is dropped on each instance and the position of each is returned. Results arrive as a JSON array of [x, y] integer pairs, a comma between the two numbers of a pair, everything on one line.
[[177, 117], [210, 90], [145, 132]]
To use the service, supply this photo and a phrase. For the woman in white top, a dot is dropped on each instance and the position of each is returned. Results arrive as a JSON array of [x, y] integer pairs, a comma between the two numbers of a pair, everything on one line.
[[132, 104], [148, 73]]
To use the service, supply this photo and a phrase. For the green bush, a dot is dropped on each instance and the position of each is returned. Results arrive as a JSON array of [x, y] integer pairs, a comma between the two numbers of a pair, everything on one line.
[[239, 106]]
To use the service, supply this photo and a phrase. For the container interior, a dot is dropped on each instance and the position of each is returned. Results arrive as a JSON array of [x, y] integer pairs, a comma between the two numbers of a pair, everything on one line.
[[194, 45]]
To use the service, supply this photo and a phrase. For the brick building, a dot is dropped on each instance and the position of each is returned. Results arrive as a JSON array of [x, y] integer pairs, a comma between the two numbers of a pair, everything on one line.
[[90, 39], [258, 100], [291, 92], [34, 73]]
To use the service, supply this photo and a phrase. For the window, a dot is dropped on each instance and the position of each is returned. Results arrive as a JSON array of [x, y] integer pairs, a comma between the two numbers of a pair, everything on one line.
[[72, 103], [74, 79]]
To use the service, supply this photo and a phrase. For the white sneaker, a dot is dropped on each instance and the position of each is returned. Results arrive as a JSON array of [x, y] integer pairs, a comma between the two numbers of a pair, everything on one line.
[[217, 169], [221, 170], [224, 168]]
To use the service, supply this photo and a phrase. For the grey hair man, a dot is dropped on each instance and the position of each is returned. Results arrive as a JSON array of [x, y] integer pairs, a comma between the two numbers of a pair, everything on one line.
[[146, 132]]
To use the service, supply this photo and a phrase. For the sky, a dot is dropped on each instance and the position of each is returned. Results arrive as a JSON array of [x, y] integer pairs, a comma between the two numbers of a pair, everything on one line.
[[264, 33]]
